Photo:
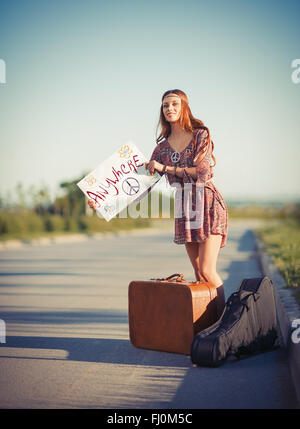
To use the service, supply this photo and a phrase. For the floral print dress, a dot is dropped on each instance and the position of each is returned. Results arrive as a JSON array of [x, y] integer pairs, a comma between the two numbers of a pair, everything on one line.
[[200, 195]]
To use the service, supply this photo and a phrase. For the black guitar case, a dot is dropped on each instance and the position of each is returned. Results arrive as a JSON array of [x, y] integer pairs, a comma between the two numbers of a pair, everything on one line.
[[247, 325]]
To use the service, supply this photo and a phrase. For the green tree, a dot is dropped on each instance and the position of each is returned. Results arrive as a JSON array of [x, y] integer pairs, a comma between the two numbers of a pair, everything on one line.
[[73, 202]]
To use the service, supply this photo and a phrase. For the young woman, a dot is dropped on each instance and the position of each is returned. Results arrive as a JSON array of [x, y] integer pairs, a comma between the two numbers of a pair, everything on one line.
[[184, 153]]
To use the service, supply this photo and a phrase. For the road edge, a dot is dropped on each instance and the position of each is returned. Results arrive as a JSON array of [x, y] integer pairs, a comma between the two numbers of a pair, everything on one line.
[[288, 310]]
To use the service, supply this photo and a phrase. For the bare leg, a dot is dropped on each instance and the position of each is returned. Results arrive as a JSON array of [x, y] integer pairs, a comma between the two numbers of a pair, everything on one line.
[[203, 257], [208, 255], [193, 253]]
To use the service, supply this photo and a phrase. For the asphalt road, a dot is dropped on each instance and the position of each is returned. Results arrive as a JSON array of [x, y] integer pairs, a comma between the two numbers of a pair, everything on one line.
[[67, 337]]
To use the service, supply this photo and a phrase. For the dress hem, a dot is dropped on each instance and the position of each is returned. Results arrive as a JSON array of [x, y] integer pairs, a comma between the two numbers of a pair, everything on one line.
[[201, 241]]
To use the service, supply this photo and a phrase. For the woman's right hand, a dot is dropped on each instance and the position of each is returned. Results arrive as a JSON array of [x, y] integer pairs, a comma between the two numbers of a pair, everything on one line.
[[152, 166], [92, 204]]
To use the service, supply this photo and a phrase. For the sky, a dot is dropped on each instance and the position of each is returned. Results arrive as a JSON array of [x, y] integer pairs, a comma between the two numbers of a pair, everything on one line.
[[83, 77]]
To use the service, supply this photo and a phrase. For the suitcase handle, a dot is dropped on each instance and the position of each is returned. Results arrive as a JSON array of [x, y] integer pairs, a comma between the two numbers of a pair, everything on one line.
[[179, 278]]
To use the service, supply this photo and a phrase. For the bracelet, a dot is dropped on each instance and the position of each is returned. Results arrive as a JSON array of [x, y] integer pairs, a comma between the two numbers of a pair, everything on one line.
[[164, 168]]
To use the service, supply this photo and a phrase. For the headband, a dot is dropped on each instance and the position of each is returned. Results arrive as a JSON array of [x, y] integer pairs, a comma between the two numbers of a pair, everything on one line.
[[171, 95]]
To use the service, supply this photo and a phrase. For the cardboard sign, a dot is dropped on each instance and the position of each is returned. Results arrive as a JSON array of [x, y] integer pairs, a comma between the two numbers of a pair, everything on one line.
[[119, 181]]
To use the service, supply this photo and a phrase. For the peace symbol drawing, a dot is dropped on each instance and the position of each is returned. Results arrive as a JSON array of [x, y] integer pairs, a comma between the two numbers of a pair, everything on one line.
[[130, 186], [175, 157]]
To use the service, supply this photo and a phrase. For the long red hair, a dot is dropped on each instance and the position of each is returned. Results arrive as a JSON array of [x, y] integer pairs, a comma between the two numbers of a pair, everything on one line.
[[186, 120]]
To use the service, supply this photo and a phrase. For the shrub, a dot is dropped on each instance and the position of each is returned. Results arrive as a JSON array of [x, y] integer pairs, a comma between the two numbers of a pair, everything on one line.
[[54, 223], [71, 224]]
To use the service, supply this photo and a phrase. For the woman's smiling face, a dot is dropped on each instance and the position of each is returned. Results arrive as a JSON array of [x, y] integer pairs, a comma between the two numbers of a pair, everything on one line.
[[171, 107]]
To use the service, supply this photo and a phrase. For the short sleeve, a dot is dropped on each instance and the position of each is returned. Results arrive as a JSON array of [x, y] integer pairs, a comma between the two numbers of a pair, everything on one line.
[[156, 156]]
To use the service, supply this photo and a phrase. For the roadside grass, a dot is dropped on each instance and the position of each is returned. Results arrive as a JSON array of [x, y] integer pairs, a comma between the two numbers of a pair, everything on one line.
[[26, 224], [282, 241], [31, 227]]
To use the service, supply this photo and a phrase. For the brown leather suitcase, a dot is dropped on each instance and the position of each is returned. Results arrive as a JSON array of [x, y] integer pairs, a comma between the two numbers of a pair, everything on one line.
[[165, 314]]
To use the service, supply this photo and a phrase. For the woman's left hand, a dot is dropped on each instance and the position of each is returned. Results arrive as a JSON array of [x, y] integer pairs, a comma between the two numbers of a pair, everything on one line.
[[154, 165]]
